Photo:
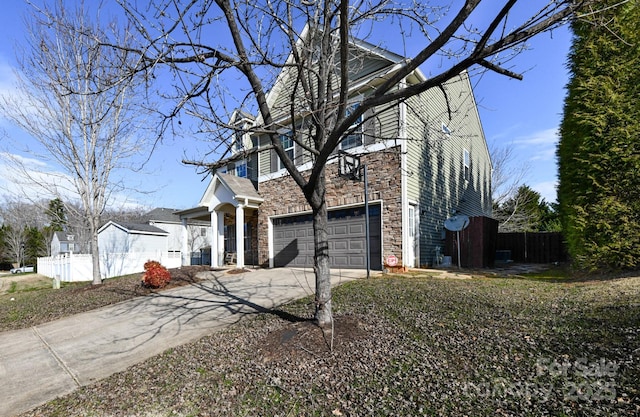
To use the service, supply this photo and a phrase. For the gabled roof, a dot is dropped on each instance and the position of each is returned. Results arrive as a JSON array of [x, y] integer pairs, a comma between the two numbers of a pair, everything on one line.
[[135, 228], [63, 236], [162, 214], [230, 189], [386, 62], [240, 186]]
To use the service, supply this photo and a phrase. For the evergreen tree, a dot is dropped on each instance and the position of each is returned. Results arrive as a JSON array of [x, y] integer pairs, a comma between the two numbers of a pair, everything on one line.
[[35, 245], [525, 211], [4, 252], [599, 149], [57, 215]]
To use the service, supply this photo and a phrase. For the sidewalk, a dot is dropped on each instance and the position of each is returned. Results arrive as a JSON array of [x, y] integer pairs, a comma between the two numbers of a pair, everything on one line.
[[53, 359]]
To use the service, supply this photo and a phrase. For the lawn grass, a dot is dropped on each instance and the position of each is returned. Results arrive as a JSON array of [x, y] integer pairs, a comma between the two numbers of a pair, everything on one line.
[[31, 303], [403, 346], [38, 283]]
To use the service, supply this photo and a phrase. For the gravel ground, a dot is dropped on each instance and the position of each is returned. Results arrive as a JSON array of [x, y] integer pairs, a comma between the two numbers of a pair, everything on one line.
[[402, 346]]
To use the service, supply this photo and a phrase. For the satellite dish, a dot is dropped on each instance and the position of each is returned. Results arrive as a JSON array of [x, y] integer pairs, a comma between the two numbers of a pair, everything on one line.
[[456, 223]]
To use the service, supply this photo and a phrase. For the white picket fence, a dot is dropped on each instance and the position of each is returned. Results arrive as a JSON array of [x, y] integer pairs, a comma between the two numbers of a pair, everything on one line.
[[78, 267]]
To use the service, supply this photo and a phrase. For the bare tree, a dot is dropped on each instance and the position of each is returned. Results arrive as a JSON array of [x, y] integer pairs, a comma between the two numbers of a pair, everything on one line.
[[226, 54], [507, 177], [75, 98]]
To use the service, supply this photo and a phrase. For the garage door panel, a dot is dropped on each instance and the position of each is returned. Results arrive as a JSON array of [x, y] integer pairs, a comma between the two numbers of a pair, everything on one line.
[[357, 245], [340, 261], [339, 245], [340, 230], [357, 229]]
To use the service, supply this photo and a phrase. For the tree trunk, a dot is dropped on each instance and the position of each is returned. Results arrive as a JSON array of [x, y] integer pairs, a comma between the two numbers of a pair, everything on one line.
[[323, 314], [95, 256]]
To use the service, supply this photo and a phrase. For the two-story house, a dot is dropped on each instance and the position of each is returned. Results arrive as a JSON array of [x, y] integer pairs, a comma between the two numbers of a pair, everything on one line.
[[63, 243], [426, 159]]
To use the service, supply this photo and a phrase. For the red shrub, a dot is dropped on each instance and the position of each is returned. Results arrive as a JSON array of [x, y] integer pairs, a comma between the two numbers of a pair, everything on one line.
[[155, 275], [151, 264]]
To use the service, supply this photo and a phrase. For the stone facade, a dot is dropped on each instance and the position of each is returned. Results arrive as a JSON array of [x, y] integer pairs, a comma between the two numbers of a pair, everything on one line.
[[282, 196]]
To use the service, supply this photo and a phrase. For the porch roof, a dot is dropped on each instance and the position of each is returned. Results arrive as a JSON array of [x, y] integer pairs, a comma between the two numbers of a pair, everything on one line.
[[240, 187]]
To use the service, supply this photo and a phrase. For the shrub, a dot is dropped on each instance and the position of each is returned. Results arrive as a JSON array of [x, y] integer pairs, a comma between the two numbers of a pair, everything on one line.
[[5, 265], [151, 264], [155, 275]]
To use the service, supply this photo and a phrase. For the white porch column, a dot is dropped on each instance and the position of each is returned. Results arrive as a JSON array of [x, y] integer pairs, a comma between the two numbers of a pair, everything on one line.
[[215, 238], [184, 250], [240, 236]]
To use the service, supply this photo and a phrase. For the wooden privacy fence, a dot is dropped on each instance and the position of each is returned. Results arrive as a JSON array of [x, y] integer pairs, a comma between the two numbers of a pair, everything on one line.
[[534, 247]]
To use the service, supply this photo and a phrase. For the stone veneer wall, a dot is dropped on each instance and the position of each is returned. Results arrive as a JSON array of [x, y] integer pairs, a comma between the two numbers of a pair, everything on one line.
[[282, 196]]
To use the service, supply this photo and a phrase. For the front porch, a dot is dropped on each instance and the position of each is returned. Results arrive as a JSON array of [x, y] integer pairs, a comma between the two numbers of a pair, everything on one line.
[[230, 204]]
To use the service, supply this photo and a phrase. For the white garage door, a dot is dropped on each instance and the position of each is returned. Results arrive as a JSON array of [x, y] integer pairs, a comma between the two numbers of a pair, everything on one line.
[[293, 239]]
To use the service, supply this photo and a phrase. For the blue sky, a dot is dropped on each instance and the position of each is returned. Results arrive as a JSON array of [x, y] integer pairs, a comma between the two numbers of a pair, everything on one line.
[[522, 114]]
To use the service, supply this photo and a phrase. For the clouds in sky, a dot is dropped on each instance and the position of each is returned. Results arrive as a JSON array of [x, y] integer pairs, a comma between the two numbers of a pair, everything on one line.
[[28, 178], [537, 150]]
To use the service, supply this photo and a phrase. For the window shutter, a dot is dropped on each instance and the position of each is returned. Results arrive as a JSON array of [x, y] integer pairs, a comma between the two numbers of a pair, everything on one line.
[[274, 160], [369, 127], [298, 152]]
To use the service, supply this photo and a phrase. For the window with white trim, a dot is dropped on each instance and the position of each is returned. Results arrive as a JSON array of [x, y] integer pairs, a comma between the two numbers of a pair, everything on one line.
[[241, 169], [466, 164], [238, 144], [446, 130], [354, 138], [288, 144]]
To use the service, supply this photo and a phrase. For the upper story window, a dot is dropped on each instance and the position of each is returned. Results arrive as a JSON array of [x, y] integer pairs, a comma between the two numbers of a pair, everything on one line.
[[466, 164], [238, 144], [353, 139], [241, 169], [446, 130], [289, 147]]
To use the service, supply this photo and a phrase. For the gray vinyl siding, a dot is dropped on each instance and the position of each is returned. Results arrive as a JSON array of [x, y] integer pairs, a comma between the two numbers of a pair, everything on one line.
[[363, 66], [387, 122], [360, 67], [435, 160], [264, 157], [377, 127]]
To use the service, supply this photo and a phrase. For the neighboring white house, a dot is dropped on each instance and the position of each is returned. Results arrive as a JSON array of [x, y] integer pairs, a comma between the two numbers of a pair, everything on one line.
[[63, 243], [189, 240], [120, 237], [125, 247]]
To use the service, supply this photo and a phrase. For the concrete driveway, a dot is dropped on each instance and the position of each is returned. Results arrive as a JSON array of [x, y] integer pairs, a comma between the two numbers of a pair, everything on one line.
[[53, 359]]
